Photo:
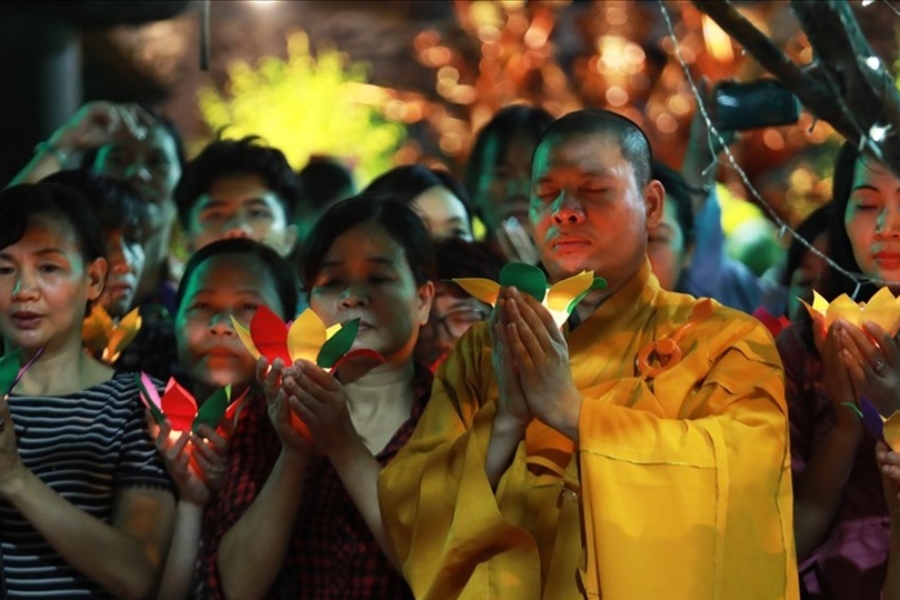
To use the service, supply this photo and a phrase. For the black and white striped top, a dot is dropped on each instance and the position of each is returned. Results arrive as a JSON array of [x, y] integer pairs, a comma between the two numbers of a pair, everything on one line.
[[84, 446]]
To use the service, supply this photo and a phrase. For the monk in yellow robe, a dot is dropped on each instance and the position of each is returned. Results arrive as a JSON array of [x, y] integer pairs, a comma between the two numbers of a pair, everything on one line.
[[639, 453]]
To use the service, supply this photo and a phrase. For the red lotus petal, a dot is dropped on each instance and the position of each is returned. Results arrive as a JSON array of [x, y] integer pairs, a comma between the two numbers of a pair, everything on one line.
[[270, 334], [179, 407], [361, 353], [232, 409]]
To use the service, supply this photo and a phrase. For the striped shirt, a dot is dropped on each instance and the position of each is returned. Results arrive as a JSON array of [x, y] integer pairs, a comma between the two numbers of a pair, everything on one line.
[[85, 446]]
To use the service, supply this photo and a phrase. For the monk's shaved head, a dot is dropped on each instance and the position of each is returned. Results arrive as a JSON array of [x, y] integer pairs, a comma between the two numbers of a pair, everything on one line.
[[633, 142]]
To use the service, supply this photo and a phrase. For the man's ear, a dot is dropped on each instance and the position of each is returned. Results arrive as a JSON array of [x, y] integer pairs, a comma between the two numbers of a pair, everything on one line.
[[654, 200], [96, 274], [426, 297]]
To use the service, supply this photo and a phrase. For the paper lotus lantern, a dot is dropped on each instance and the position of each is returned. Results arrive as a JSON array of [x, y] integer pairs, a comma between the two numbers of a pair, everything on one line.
[[11, 371], [560, 298], [105, 339], [306, 338], [882, 308], [179, 407], [881, 428]]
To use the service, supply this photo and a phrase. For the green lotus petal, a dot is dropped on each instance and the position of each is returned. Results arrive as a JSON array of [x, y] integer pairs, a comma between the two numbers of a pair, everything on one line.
[[527, 278], [598, 284], [213, 409], [9, 370], [338, 344]]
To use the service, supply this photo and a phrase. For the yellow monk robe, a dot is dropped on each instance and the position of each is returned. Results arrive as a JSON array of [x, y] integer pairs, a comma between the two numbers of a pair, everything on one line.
[[684, 489]]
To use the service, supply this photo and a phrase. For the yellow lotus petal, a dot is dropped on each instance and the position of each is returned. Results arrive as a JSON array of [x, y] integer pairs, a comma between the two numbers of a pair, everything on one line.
[[563, 292], [329, 333], [891, 431], [485, 290], [306, 336], [244, 335], [132, 320], [96, 330], [844, 308], [884, 309], [125, 332], [819, 303]]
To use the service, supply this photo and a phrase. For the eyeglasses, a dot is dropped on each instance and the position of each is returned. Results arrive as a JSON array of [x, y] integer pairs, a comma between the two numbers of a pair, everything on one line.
[[457, 321]]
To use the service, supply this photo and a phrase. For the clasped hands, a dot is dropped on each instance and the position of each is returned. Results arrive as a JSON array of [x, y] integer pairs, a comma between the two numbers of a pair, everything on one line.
[[861, 362], [530, 358], [196, 461], [315, 397]]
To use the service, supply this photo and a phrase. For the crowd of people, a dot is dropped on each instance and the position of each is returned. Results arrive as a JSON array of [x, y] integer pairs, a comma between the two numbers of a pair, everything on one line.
[[689, 432]]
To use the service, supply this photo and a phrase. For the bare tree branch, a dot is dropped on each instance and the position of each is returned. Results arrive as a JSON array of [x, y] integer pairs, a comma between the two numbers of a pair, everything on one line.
[[867, 90], [843, 86], [806, 84]]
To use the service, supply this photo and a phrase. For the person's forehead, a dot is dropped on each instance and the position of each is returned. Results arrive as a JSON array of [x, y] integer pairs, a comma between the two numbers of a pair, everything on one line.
[[582, 149]]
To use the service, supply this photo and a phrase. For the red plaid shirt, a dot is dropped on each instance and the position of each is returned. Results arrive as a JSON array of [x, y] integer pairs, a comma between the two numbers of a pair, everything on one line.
[[332, 555]]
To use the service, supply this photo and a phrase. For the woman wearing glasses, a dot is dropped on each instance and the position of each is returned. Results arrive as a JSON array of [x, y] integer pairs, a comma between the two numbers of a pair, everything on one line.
[[453, 310]]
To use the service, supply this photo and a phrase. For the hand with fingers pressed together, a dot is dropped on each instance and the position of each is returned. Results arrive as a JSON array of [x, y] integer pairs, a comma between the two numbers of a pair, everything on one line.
[[322, 405], [536, 345], [195, 461], [872, 360], [838, 383], [281, 405], [512, 405]]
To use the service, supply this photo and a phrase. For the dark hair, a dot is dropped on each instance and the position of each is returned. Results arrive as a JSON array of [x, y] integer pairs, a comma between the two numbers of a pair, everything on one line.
[[456, 258], [279, 269], [400, 222], [814, 225], [632, 140], [235, 158], [680, 192], [839, 247], [89, 159], [321, 181], [508, 124], [20, 204], [840, 250], [114, 203], [404, 183]]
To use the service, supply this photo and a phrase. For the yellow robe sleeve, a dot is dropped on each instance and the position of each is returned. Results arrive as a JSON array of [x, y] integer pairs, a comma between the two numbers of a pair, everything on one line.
[[437, 504], [696, 507]]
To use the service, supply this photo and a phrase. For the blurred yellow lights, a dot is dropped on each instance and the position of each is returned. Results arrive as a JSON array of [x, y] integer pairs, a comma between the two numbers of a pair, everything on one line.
[[616, 15], [451, 143], [802, 180], [679, 104], [536, 37], [718, 43], [488, 33], [448, 74], [666, 123], [616, 96], [426, 39], [619, 56], [773, 139], [435, 56]]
